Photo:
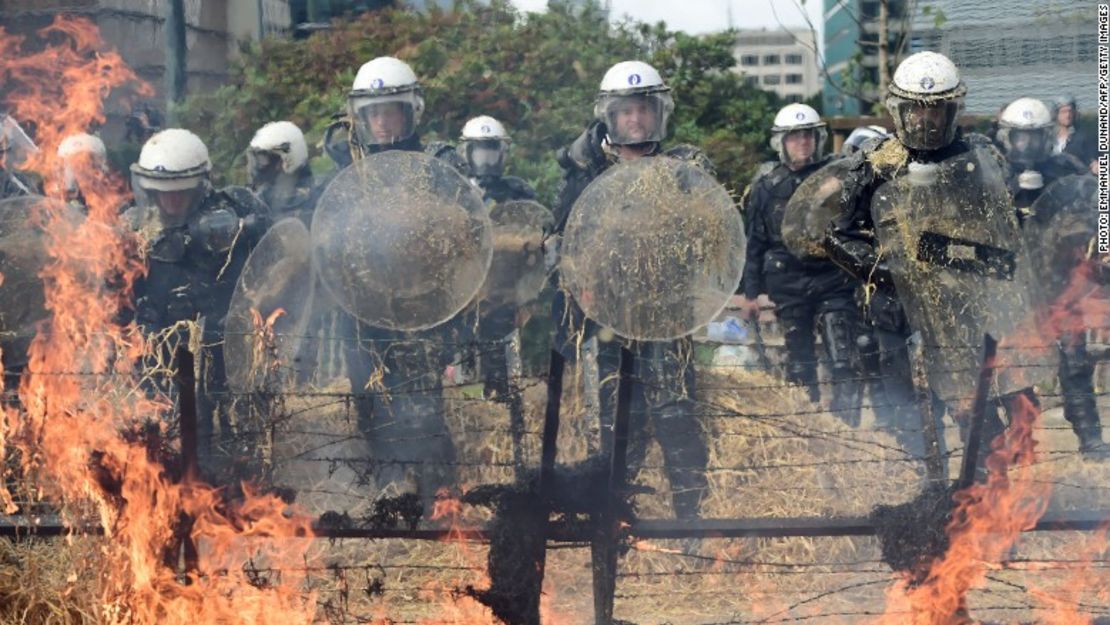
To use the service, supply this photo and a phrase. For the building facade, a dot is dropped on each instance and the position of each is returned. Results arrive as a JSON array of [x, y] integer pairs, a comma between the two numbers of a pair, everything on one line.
[[782, 61], [1005, 50]]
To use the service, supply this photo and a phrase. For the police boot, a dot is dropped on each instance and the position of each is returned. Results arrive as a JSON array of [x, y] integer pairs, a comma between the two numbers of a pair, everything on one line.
[[837, 328], [686, 457], [1080, 410], [804, 375], [1091, 445], [1088, 430]]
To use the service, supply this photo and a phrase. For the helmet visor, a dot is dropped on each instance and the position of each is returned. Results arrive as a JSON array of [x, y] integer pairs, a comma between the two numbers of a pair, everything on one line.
[[263, 167], [80, 169], [485, 158], [800, 147], [175, 198], [924, 125], [637, 118], [384, 120], [1025, 146]]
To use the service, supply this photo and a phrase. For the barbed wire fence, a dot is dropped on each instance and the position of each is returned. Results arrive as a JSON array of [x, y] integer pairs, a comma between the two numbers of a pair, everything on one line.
[[784, 535]]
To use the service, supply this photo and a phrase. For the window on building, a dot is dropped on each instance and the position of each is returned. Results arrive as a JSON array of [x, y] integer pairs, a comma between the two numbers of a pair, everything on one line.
[[1086, 49], [792, 98], [793, 59], [771, 59], [793, 79], [749, 60], [772, 79], [752, 81]]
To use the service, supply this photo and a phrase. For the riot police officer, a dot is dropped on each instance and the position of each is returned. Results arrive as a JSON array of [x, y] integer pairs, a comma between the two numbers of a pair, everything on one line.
[[277, 165], [1025, 128], [197, 239], [809, 295], [630, 122], [394, 375], [484, 144], [82, 156], [923, 164]]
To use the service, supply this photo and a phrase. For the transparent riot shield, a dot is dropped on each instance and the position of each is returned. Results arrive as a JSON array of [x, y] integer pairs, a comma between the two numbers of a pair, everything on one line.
[[811, 209], [401, 240], [517, 274], [1058, 232], [953, 243], [23, 255], [20, 146], [653, 249], [267, 320]]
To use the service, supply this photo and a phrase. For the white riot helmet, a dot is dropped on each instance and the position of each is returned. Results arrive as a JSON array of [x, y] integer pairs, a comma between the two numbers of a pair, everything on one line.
[[634, 104], [485, 145], [80, 153], [862, 135], [925, 97], [385, 102], [172, 174], [800, 119], [1024, 130], [277, 148]]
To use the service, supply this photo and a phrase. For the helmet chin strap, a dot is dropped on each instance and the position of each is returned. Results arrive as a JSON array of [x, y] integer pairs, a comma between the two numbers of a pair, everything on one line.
[[639, 149]]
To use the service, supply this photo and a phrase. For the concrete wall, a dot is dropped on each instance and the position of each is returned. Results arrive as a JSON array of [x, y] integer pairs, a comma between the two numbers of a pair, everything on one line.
[[135, 28]]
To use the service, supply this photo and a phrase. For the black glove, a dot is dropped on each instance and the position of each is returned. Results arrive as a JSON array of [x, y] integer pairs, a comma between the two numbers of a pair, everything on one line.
[[586, 153], [179, 305], [216, 230], [337, 143]]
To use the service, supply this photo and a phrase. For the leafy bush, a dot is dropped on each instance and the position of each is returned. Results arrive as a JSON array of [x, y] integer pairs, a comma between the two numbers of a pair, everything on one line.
[[538, 73]]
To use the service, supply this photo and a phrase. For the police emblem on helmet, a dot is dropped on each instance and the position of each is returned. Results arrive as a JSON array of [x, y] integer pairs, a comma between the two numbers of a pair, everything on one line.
[[486, 130], [927, 83], [799, 116], [377, 83], [1027, 114], [634, 79]]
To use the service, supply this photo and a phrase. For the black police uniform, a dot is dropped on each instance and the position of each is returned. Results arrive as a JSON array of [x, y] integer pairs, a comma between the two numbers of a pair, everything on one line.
[[809, 294], [663, 391], [192, 273]]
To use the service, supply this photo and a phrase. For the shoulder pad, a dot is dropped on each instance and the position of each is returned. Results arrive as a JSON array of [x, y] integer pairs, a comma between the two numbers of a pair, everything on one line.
[[883, 155], [143, 221], [242, 200], [519, 187], [692, 154], [438, 148], [447, 153], [978, 140]]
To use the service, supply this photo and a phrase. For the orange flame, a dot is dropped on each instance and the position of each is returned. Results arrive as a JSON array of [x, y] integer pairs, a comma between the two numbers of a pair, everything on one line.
[[80, 389], [989, 517]]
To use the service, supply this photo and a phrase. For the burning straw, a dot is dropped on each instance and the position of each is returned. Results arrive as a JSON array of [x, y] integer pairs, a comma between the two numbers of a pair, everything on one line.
[[80, 402]]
